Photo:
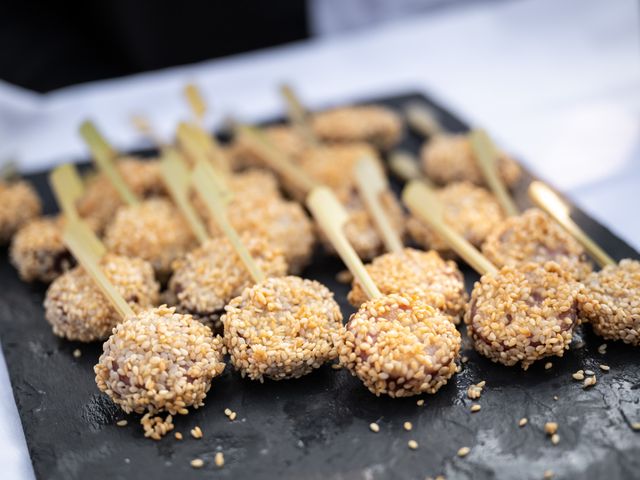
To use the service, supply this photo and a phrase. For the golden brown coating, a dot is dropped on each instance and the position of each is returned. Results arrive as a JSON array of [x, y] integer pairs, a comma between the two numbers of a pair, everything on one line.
[[611, 301], [534, 237], [207, 278], [284, 137], [450, 158], [374, 124], [282, 328], [153, 230], [37, 250], [19, 203], [399, 346], [426, 275], [159, 361], [76, 308], [471, 211], [523, 313]]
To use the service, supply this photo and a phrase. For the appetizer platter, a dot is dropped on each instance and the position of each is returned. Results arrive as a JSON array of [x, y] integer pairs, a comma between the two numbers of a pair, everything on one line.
[[359, 293]]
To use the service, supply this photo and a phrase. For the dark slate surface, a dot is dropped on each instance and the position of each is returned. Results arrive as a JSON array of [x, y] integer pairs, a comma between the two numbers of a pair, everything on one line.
[[317, 427]]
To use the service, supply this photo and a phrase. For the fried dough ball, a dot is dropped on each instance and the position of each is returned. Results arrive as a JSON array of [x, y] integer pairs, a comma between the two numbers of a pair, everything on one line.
[[471, 211], [399, 346], [159, 361], [282, 328], [426, 275], [534, 237], [450, 158], [207, 278], [285, 138], [380, 126], [523, 313], [153, 230], [37, 250], [611, 301], [76, 308], [19, 203]]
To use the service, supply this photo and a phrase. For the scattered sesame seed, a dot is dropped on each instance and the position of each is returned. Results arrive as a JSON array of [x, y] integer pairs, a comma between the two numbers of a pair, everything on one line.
[[227, 411], [77, 353], [413, 445], [605, 368], [579, 375], [464, 451], [550, 428], [555, 438], [219, 459], [589, 372], [197, 463], [408, 426], [548, 475], [474, 391], [555, 397], [602, 349], [420, 402], [122, 423], [523, 421], [336, 366], [374, 427], [233, 416], [589, 382], [464, 359], [548, 365], [178, 436], [196, 432], [475, 408], [578, 345], [635, 425]]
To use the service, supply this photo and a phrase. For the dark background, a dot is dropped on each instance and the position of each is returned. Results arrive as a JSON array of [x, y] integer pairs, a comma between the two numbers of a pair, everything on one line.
[[47, 45]]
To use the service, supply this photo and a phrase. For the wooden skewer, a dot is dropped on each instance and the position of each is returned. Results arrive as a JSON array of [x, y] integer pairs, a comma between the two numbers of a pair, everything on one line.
[[104, 156], [202, 178], [422, 119], [423, 203], [486, 156], [404, 165], [371, 183], [176, 178], [275, 159], [196, 102], [298, 115], [549, 201], [331, 216], [84, 245], [201, 146], [68, 188]]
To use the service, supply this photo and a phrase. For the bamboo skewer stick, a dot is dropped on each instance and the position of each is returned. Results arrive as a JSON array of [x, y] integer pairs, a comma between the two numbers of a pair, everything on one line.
[[331, 216], [486, 156], [371, 183], [298, 115], [104, 156], [549, 201], [422, 119], [422, 202], [68, 188], [202, 178], [176, 178], [201, 146], [196, 102], [404, 165], [83, 244]]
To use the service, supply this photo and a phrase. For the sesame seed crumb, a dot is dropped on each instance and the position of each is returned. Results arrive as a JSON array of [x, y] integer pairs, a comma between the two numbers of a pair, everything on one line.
[[579, 375], [413, 445], [77, 353], [122, 423], [548, 475], [336, 366], [464, 451], [635, 425], [219, 459], [550, 428], [548, 365], [178, 436], [196, 432], [197, 463], [605, 368], [420, 402], [408, 426], [523, 421], [475, 408], [589, 373], [555, 397], [555, 438], [602, 349], [233, 416], [589, 382], [227, 411], [474, 391], [374, 427], [464, 359]]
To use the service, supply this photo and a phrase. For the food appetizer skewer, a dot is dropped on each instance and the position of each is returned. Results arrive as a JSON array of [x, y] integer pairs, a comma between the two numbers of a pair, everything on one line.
[[518, 314], [395, 344], [611, 301]]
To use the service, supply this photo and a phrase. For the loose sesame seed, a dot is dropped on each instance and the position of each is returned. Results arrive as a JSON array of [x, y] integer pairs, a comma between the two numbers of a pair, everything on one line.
[[413, 445], [589, 382], [227, 411], [548, 475], [219, 459], [178, 436], [122, 423], [579, 375], [550, 428], [605, 368], [475, 408], [77, 353], [196, 432], [555, 397], [555, 438], [635, 425], [548, 365], [197, 463], [374, 427], [464, 451], [420, 402], [232, 416], [602, 349], [589, 372], [523, 421], [464, 359], [408, 426]]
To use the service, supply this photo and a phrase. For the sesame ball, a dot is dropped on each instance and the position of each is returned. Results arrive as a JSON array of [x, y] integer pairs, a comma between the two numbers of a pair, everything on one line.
[[611, 301], [374, 124], [399, 346], [534, 237], [282, 328], [450, 158], [255, 183], [101, 198], [159, 361], [76, 308], [19, 203], [471, 211], [434, 281], [523, 313], [207, 278], [283, 137], [153, 230], [37, 250]]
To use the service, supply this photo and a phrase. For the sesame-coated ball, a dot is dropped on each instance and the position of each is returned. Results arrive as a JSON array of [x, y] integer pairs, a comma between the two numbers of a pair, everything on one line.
[[470, 210], [153, 230], [282, 328], [399, 346], [19, 203], [434, 281], [523, 313], [159, 361], [534, 237], [207, 278], [374, 124], [450, 158], [76, 308], [611, 301], [37, 250]]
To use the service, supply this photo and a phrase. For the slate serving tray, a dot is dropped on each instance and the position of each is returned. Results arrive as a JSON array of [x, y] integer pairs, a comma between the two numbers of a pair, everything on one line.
[[318, 426]]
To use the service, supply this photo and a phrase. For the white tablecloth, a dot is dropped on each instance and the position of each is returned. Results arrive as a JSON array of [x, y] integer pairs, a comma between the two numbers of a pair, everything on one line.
[[557, 83]]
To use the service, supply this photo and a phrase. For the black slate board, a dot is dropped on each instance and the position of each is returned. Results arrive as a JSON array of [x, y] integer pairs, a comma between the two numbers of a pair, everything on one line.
[[318, 426]]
